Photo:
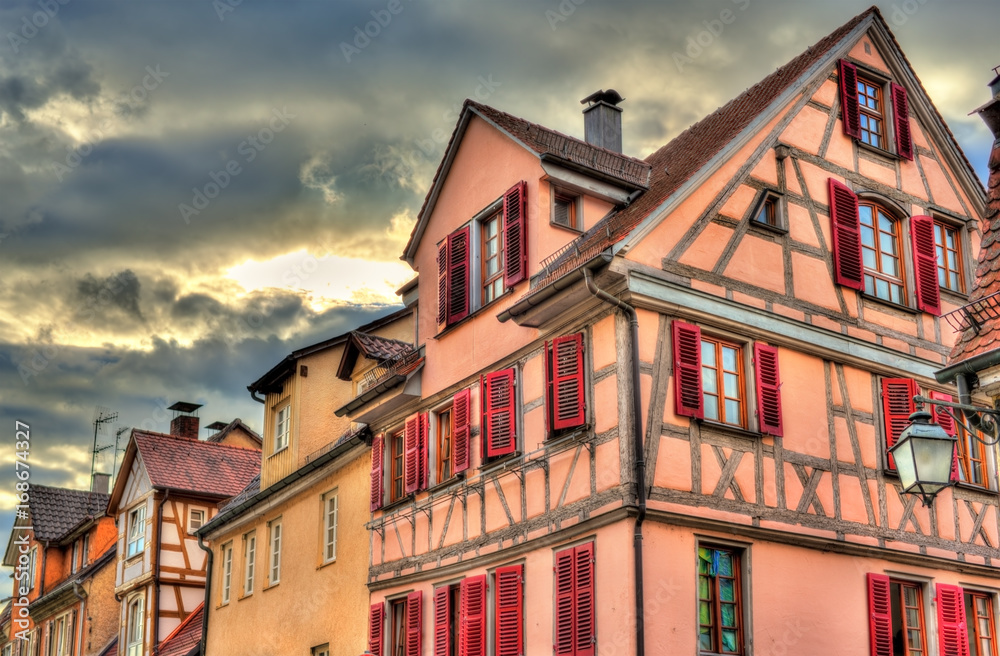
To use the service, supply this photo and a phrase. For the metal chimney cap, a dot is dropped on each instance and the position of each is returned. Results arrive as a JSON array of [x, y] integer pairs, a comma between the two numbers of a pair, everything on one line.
[[610, 96]]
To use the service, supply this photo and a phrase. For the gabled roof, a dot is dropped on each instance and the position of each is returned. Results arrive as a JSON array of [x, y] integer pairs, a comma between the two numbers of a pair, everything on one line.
[[372, 347], [185, 638], [235, 423], [56, 511], [182, 464], [971, 344], [547, 143], [272, 380]]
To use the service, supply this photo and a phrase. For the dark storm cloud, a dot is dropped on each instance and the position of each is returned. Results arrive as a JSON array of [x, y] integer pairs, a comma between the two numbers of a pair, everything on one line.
[[119, 290]]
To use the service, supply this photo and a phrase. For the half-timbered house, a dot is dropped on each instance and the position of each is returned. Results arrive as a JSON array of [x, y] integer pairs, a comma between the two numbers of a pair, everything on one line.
[[658, 393]]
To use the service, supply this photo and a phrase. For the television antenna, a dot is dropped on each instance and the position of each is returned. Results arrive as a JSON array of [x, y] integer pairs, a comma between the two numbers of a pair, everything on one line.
[[102, 416]]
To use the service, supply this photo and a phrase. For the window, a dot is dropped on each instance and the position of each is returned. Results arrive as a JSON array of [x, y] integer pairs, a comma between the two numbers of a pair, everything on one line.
[[865, 114], [980, 623], [896, 616], [499, 419], [227, 571], [249, 561], [868, 252], [275, 564], [136, 627], [397, 455], [136, 531], [710, 380], [491, 256], [479, 261], [508, 606], [971, 458], [947, 244], [63, 630], [566, 210], [445, 445], [282, 427], [85, 550], [196, 519], [565, 396], [720, 601], [575, 623], [321, 650], [32, 559], [768, 211], [330, 527], [447, 620], [405, 617], [74, 564]]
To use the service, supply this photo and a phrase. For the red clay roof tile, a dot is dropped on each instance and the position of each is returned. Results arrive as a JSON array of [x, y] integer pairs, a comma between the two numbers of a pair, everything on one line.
[[184, 464], [186, 636]]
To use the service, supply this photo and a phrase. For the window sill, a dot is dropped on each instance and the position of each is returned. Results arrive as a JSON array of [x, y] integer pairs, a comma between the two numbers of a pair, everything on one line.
[[875, 300], [875, 150], [326, 563], [575, 231], [959, 298], [402, 501], [270, 586], [972, 487], [244, 596], [445, 483], [134, 557], [767, 227], [737, 431], [284, 448], [498, 463]]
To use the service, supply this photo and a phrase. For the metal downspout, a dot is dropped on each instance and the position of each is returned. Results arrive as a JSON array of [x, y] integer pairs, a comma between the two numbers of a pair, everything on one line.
[[83, 613], [639, 456], [208, 594]]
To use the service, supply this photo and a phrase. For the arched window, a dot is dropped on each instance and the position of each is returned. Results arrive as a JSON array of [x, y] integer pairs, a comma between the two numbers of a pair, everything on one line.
[[136, 627], [882, 253]]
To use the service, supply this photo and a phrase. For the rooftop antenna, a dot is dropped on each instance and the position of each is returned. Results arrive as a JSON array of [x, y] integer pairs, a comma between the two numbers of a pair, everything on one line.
[[102, 416], [114, 464]]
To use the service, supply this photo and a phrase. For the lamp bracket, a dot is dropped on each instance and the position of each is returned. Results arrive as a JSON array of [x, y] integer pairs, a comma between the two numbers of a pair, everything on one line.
[[989, 421]]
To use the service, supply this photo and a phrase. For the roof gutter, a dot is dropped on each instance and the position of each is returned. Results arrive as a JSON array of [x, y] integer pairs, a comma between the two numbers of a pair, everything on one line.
[[972, 365], [595, 173], [554, 287]]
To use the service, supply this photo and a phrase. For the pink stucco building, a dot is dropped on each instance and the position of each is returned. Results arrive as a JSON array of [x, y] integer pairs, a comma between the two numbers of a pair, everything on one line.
[[656, 395]]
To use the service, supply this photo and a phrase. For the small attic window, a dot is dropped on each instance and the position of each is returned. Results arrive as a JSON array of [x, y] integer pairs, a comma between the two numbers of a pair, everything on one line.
[[767, 211], [566, 209]]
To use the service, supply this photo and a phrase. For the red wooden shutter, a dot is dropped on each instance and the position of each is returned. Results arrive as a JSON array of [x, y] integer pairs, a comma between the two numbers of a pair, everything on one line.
[[423, 456], [500, 429], [411, 454], [509, 601], [880, 615], [376, 483], [897, 406], [413, 615], [687, 370], [375, 615], [515, 233], [566, 388], [462, 417], [443, 281], [458, 275], [586, 625], [849, 99], [768, 388], [943, 419], [846, 228], [953, 638], [925, 264], [442, 618], [472, 616], [901, 117], [565, 603]]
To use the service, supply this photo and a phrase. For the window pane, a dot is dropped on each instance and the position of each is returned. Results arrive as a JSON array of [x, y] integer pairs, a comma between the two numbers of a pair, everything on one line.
[[881, 288], [705, 613], [867, 236], [728, 358], [711, 407], [709, 382], [705, 640], [733, 413], [729, 640], [729, 615], [731, 383], [865, 214], [727, 590], [708, 354], [896, 294], [869, 259], [725, 563]]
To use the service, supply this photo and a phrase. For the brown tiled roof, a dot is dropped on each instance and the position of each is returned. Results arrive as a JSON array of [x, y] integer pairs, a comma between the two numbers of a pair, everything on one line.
[[252, 488], [185, 638], [56, 511], [380, 348], [677, 161], [545, 141], [187, 465], [971, 343]]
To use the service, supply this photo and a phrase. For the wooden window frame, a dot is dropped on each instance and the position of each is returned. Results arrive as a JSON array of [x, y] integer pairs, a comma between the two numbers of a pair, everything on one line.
[[444, 443], [491, 286], [776, 217], [249, 562], [972, 615], [84, 550], [968, 464], [879, 235], [328, 544], [134, 643], [715, 627], [899, 607], [877, 114], [397, 464], [720, 343], [574, 204], [226, 573], [275, 536], [191, 521], [74, 565], [136, 519], [397, 627], [954, 261]]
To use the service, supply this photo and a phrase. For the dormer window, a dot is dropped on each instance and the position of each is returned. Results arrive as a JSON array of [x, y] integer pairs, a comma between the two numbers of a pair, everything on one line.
[[566, 210], [865, 114], [871, 114]]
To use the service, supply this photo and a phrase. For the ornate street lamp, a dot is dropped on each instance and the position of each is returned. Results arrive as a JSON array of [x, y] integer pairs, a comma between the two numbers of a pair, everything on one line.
[[923, 457]]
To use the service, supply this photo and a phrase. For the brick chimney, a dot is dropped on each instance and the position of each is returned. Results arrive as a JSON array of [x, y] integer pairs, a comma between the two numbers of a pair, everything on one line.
[[185, 421], [602, 120]]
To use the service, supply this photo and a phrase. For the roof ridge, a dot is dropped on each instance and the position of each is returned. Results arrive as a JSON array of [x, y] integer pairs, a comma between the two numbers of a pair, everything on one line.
[[189, 440]]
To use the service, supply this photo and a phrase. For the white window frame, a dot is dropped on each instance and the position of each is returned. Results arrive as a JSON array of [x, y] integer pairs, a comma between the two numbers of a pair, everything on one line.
[[330, 525], [74, 565], [191, 521], [274, 551], [85, 548], [282, 425], [249, 561], [227, 572], [32, 560], [136, 543], [135, 623]]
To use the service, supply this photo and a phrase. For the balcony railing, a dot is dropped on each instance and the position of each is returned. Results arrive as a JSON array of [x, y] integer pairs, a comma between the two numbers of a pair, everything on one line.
[[974, 315], [386, 370]]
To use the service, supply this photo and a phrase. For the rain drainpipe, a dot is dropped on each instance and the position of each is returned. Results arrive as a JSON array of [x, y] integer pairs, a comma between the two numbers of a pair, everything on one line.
[[208, 594], [639, 456], [83, 609]]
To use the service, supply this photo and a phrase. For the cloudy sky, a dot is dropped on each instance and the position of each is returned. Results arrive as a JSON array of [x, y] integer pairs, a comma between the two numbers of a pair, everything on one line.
[[191, 189]]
